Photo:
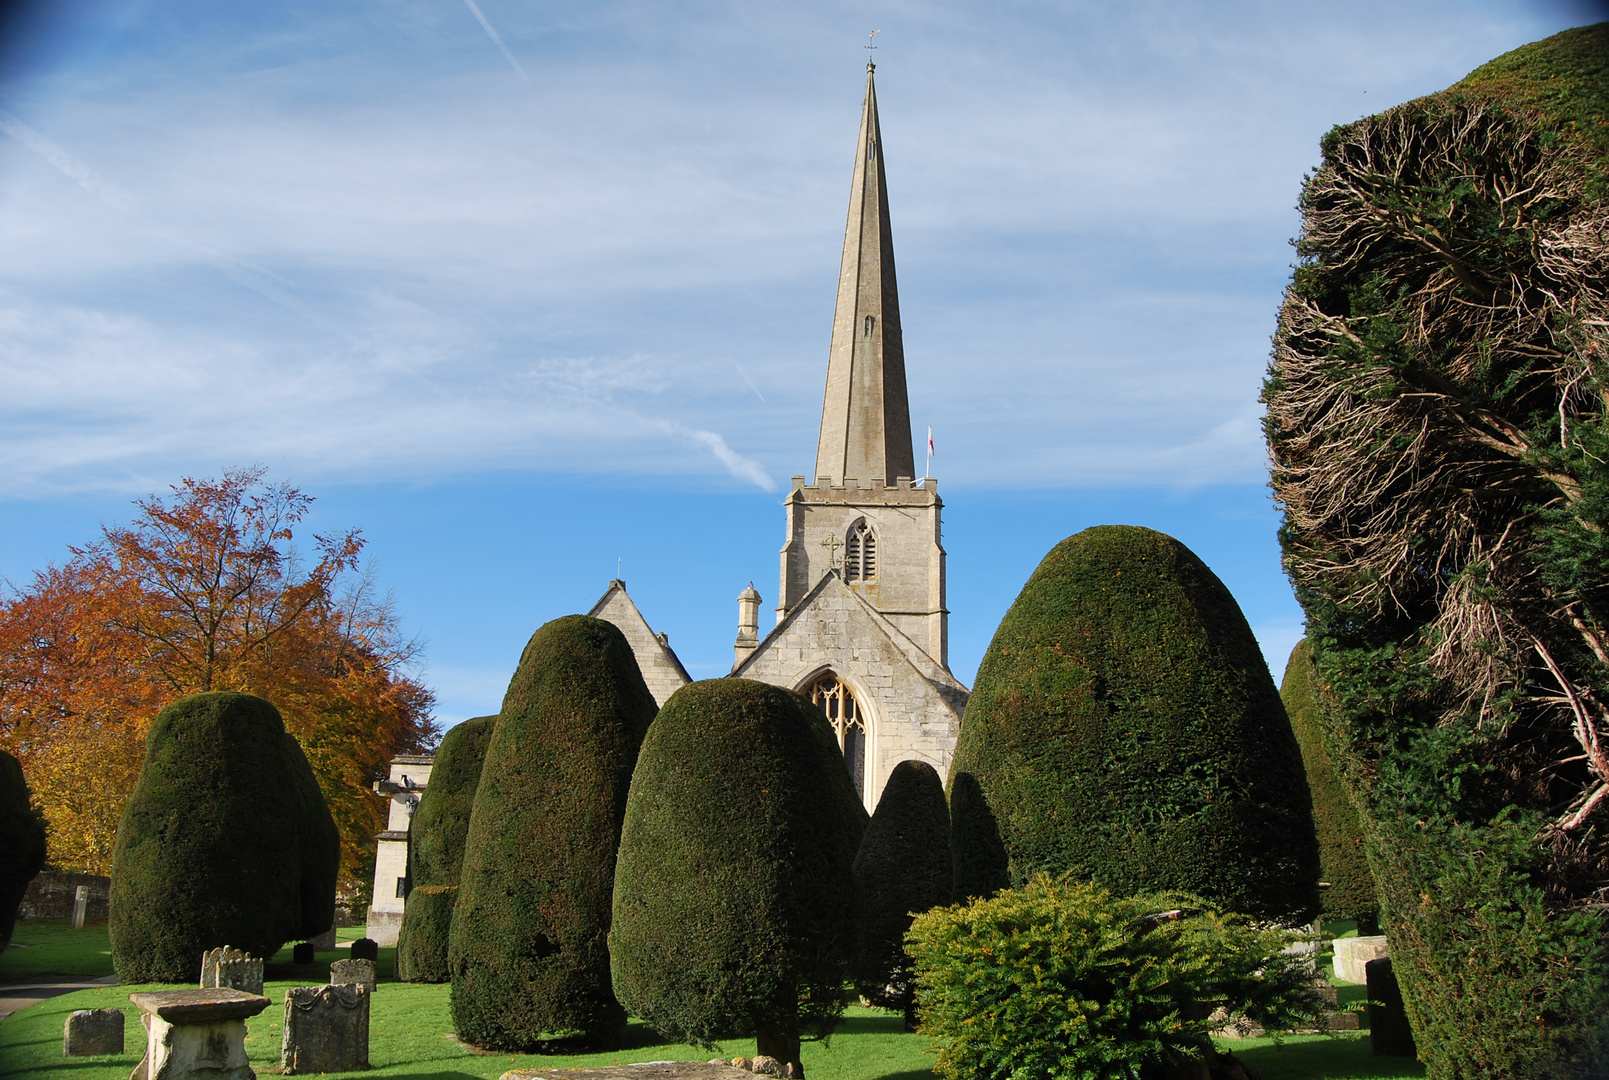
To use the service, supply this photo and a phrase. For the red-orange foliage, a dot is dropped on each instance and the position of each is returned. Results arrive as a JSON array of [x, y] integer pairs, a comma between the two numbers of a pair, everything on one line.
[[204, 591]]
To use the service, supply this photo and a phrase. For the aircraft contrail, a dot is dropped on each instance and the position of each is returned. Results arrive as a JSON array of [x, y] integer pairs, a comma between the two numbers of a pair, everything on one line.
[[498, 41], [748, 380]]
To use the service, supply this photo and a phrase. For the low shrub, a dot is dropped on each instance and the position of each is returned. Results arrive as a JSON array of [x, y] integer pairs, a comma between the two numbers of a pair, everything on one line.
[[427, 920], [1061, 980]]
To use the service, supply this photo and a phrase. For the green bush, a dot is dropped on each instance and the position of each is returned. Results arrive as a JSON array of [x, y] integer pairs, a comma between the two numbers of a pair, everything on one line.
[[427, 919], [1060, 980], [528, 947], [1124, 728], [22, 842], [436, 837], [735, 893], [1342, 860], [226, 840], [902, 870], [1443, 468]]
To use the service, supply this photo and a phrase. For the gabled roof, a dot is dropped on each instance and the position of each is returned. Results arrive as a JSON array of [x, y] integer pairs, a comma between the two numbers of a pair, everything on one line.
[[661, 669]]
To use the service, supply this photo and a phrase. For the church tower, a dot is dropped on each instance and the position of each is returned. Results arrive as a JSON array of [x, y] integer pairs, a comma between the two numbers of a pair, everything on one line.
[[861, 623]]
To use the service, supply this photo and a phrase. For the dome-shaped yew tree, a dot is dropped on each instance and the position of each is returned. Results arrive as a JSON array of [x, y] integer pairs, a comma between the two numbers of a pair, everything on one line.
[[226, 840], [22, 842], [1124, 727], [735, 895], [436, 837], [528, 947]]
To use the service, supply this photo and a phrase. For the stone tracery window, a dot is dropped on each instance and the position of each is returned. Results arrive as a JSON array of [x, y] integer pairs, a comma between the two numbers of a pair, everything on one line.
[[860, 553], [833, 696]]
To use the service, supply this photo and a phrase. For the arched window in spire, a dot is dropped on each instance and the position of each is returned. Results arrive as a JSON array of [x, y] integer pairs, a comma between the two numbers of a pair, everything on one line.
[[860, 553], [833, 696]]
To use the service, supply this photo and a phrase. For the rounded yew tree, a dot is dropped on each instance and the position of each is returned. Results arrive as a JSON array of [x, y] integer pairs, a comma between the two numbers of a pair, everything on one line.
[[735, 903], [1124, 728], [436, 837], [1343, 863], [226, 840], [903, 869], [22, 842], [528, 947]]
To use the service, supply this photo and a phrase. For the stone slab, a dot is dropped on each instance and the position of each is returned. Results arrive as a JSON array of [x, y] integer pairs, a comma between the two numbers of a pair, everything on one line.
[[326, 1029], [89, 1032], [200, 1006], [1352, 953], [353, 973], [648, 1070]]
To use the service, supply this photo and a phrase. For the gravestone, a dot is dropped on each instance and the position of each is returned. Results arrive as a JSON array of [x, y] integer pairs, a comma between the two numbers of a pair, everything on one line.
[[1389, 1033], [325, 941], [326, 1029], [365, 949], [231, 969], [80, 906], [196, 1034], [353, 973], [302, 952], [92, 1031]]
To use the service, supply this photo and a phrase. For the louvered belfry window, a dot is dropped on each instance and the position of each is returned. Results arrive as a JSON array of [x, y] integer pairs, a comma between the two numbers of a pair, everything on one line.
[[833, 697], [860, 553]]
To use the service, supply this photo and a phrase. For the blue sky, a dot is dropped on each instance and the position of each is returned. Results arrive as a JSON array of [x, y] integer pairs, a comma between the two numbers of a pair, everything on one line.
[[523, 307]]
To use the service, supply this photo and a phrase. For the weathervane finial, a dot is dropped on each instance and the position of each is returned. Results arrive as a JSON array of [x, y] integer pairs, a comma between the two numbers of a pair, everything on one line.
[[870, 65]]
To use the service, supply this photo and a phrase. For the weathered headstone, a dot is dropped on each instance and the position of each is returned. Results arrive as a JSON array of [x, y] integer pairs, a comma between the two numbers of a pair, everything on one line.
[[326, 1029], [1389, 1033], [353, 973], [302, 952], [196, 1034], [325, 941], [231, 969], [92, 1031], [365, 949], [80, 906], [1352, 953]]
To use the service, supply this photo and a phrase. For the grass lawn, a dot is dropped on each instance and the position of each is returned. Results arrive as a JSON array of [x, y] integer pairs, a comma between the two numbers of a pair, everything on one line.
[[410, 1032]]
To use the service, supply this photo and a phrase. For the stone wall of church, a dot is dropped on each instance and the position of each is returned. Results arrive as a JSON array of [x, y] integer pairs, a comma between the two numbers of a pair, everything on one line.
[[661, 670], [913, 707], [909, 588]]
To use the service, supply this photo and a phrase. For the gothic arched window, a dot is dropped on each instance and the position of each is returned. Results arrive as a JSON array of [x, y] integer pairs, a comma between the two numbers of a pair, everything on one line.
[[833, 696], [860, 553]]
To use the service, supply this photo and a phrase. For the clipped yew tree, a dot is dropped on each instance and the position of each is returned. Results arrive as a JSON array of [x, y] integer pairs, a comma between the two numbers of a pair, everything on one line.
[[1439, 433], [735, 907], [528, 946], [1343, 864], [902, 869], [226, 840], [436, 837], [22, 842], [1124, 728]]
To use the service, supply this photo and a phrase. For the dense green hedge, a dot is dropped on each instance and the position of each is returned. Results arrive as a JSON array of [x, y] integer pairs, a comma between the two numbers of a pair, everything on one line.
[[1439, 439], [22, 842], [1343, 864], [427, 920], [226, 840], [436, 837], [528, 947], [1124, 727], [734, 896], [903, 869], [1060, 980]]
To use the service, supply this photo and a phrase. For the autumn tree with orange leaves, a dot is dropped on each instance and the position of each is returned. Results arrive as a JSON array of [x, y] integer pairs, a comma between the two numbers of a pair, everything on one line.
[[205, 590]]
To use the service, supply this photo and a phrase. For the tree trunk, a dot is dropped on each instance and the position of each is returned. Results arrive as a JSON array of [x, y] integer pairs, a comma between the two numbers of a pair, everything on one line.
[[780, 1044]]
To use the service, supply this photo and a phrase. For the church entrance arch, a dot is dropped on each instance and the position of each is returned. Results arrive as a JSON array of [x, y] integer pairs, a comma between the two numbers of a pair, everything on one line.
[[848, 719]]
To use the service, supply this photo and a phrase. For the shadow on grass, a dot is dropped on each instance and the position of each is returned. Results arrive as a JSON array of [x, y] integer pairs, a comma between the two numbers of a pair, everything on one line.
[[909, 1074], [1311, 1059]]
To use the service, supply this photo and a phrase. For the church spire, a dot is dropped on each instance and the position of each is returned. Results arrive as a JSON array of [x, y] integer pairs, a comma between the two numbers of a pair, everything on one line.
[[865, 417]]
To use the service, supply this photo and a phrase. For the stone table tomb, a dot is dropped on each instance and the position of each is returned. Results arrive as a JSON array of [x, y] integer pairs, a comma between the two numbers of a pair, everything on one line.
[[196, 1034]]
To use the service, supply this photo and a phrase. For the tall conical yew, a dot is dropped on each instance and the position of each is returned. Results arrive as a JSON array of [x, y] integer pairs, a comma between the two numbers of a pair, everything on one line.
[[1124, 727], [528, 948], [735, 893], [903, 869], [1343, 863], [226, 840], [436, 837], [22, 842]]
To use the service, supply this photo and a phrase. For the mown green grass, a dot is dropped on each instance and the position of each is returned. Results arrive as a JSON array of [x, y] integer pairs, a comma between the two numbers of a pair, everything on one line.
[[52, 947], [411, 1033]]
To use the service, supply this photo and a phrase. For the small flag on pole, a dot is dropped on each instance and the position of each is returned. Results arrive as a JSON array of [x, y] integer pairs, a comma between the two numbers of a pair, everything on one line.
[[929, 442]]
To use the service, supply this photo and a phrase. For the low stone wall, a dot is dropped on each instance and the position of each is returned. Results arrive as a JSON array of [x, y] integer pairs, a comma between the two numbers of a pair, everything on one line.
[[50, 896]]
